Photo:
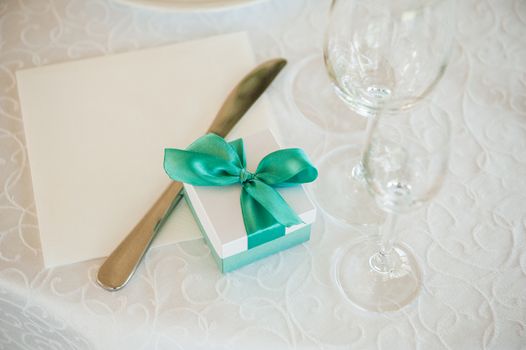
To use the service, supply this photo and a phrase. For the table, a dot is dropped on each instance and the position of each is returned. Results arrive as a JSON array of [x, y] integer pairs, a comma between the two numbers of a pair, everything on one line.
[[473, 255]]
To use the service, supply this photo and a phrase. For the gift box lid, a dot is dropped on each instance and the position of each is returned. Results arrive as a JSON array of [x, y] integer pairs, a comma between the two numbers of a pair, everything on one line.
[[218, 208]]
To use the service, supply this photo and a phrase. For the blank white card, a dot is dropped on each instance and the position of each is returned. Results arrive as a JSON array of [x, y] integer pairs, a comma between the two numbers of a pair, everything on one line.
[[96, 130]]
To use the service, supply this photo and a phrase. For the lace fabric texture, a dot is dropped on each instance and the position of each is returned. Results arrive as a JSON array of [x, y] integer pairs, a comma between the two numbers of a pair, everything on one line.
[[470, 240]]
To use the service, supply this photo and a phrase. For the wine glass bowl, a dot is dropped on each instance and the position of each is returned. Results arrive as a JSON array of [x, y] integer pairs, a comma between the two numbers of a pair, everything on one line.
[[406, 157], [377, 51]]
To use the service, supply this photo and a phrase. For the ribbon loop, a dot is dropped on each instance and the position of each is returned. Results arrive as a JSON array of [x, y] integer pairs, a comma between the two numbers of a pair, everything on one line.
[[211, 161]]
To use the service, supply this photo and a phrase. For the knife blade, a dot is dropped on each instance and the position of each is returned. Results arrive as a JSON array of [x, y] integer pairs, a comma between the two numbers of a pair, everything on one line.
[[121, 264]]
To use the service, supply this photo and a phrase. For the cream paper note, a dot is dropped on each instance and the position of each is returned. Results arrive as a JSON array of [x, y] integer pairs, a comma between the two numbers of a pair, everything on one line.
[[96, 130]]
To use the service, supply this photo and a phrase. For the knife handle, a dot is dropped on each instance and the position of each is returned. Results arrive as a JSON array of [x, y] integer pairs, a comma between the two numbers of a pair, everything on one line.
[[123, 261]]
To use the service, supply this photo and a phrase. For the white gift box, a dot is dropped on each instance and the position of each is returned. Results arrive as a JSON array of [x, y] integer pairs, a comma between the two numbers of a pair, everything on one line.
[[218, 212]]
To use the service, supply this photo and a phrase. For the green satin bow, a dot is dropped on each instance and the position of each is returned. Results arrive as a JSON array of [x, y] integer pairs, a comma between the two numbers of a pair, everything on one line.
[[211, 161]]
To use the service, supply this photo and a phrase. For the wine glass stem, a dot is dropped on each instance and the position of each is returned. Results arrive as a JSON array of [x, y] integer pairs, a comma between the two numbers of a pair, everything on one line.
[[383, 260], [388, 235], [358, 171]]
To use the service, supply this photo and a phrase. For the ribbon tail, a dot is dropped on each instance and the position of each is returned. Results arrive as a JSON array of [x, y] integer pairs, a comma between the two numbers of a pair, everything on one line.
[[260, 225], [272, 201]]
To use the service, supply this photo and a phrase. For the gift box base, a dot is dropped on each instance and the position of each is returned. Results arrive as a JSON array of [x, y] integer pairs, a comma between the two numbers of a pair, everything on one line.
[[244, 258], [239, 260]]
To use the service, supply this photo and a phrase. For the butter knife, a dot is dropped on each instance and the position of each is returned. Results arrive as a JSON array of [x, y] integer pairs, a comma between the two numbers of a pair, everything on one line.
[[119, 267]]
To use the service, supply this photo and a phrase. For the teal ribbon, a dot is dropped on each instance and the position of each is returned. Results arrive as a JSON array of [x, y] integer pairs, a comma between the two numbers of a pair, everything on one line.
[[211, 161]]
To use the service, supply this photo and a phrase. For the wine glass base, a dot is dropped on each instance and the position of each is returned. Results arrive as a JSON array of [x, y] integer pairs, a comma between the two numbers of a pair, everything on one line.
[[369, 289], [313, 95], [342, 196]]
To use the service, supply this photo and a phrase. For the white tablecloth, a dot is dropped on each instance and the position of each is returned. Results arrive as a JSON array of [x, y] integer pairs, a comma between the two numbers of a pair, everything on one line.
[[473, 255]]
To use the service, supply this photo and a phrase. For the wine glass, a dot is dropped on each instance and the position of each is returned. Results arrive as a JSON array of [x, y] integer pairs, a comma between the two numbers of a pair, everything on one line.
[[380, 55], [405, 162]]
